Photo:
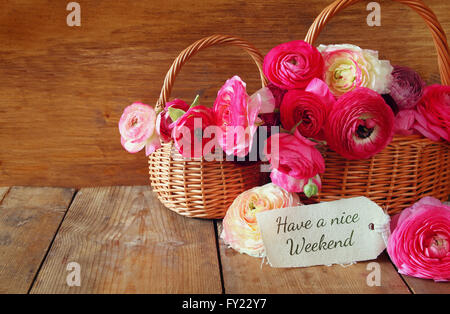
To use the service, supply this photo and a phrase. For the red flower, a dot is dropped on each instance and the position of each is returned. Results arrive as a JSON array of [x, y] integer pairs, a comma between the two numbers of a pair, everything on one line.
[[304, 109], [433, 118], [188, 132], [164, 122], [360, 124], [293, 64], [278, 94]]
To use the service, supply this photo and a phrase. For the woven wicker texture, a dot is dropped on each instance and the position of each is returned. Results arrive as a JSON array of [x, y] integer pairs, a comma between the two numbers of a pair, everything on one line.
[[198, 188], [411, 166]]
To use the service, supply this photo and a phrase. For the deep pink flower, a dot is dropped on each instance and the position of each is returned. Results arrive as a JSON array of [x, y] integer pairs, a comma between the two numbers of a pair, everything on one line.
[[137, 128], [236, 113], [433, 118], [420, 243], [404, 122], [294, 161], [360, 124], [321, 90], [164, 122], [407, 87], [188, 132], [292, 184], [293, 64], [278, 94], [307, 109]]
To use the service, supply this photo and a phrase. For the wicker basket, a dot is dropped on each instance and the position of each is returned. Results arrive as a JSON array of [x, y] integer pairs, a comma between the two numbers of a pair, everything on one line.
[[411, 166], [200, 188]]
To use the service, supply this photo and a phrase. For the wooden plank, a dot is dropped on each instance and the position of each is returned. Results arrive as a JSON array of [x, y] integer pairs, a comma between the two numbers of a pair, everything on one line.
[[81, 78], [29, 218], [423, 286], [245, 274], [125, 241]]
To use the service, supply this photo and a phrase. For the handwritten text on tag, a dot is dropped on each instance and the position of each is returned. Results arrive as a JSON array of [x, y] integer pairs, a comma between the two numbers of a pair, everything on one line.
[[327, 233]]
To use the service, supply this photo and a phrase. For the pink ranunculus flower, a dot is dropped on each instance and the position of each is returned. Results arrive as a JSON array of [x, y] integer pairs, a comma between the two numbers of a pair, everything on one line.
[[404, 122], [293, 64], [137, 129], [321, 90], [310, 186], [433, 113], [164, 122], [360, 124], [295, 162], [236, 115], [407, 87], [278, 94], [348, 67], [273, 118], [240, 228], [420, 242], [307, 109], [188, 132]]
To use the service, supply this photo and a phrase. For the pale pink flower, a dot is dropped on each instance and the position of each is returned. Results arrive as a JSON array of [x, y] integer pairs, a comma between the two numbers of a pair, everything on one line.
[[240, 228], [348, 67], [137, 128]]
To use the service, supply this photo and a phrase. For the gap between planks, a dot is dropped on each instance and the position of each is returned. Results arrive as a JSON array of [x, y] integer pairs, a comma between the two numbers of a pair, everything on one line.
[[29, 217], [51, 243], [245, 274], [125, 241]]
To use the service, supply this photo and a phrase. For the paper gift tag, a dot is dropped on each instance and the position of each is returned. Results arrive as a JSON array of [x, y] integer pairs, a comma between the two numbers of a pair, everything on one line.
[[337, 232]]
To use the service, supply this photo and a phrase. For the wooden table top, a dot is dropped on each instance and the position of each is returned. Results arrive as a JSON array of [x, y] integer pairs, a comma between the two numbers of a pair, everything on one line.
[[125, 241]]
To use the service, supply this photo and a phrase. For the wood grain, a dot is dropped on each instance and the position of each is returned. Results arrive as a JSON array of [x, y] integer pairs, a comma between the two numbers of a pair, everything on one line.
[[3, 191], [126, 242], [29, 218], [63, 89], [245, 274], [422, 286]]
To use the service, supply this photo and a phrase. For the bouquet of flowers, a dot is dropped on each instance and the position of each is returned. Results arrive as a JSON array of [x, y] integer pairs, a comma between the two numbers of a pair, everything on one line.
[[342, 96], [347, 98]]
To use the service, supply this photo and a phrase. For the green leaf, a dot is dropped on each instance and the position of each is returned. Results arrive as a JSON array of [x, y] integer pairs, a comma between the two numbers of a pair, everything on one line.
[[196, 102], [175, 113], [310, 189], [295, 126]]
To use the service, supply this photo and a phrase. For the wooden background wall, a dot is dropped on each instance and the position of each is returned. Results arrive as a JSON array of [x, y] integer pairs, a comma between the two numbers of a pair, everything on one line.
[[63, 89]]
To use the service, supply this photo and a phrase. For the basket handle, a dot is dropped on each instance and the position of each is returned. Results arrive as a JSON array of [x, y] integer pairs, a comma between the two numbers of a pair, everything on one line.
[[201, 44], [439, 38]]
